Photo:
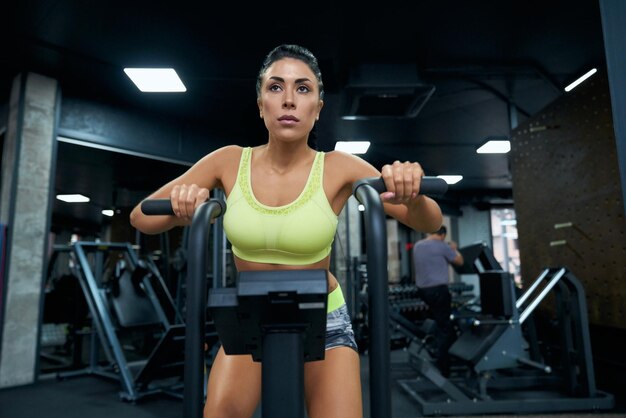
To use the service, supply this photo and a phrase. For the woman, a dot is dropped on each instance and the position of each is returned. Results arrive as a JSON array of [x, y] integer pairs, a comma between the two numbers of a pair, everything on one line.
[[269, 189]]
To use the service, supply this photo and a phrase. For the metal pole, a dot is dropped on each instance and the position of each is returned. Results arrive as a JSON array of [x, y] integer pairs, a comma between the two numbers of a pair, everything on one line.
[[196, 301], [531, 307], [378, 294], [348, 261], [283, 375], [106, 329], [219, 245]]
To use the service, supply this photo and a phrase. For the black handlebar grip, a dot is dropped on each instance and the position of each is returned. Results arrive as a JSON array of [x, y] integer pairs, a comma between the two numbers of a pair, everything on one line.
[[164, 206], [157, 207], [430, 186]]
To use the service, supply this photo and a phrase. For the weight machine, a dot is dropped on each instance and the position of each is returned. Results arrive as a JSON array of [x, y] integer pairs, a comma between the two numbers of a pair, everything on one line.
[[129, 296], [503, 372]]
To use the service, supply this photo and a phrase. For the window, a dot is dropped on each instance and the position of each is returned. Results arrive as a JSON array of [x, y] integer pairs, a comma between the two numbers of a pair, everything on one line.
[[504, 239]]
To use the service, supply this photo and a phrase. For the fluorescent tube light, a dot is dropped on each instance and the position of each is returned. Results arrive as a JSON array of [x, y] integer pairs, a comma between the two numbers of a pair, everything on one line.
[[451, 179], [495, 146], [108, 212], [73, 198], [581, 79], [353, 147], [155, 80]]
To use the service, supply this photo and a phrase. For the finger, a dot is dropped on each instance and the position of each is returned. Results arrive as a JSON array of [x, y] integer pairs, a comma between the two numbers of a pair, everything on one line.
[[174, 200], [409, 181], [201, 197], [190, 200], [387, 175], [418, 173], [182, 198], [398, 179]]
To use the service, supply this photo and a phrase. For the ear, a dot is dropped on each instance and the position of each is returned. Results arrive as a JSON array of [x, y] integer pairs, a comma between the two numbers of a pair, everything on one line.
[[260, 106], [319, 109]]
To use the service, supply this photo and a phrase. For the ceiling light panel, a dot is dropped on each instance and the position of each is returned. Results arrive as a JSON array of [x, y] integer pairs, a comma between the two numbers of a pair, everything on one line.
[[156, 80], [73, 198]]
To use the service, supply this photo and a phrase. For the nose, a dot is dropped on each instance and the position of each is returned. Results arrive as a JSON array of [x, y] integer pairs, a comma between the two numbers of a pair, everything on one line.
[[288, 100]]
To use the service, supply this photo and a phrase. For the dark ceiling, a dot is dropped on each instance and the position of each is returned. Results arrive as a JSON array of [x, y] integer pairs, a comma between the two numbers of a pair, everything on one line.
[[380, 60]]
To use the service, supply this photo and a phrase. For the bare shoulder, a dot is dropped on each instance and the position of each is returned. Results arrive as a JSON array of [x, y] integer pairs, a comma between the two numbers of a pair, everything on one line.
[[220, 160], [212, 169], [341, 170], [349, 166], [225, 154]]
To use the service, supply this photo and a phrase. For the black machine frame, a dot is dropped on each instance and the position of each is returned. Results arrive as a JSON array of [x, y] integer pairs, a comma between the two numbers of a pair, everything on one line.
[[367, 191], [506, 375], [161, 372], [279, 318]]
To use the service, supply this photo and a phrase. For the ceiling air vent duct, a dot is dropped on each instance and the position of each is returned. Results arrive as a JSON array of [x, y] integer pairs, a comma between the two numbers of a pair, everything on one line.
[[384, 91]]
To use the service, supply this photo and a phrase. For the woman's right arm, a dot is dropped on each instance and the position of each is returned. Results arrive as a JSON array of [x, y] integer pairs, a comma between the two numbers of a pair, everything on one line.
[[186, 192]]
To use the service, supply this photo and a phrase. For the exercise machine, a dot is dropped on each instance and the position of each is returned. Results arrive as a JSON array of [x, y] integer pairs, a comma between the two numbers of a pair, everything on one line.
[[126, 297], [279, 318], [226, 303], [504, 372], [367, 192]]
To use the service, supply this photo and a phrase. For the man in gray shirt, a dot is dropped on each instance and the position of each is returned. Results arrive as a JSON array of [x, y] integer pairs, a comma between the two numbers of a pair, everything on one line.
[[431, 258]]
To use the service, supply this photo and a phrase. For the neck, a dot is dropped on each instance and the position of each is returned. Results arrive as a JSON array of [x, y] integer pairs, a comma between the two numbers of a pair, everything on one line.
[[281, 157], [435, 236]]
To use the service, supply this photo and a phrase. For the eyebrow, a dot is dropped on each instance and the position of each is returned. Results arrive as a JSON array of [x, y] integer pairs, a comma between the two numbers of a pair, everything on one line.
[[282, 80]]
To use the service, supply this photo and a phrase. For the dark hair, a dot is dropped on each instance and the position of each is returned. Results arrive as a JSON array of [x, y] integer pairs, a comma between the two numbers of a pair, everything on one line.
[[441, 231], [295, 52], [299, 53]]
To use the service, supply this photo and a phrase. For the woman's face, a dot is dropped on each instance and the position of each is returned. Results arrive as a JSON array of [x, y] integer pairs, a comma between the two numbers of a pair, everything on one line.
[[289, 103]]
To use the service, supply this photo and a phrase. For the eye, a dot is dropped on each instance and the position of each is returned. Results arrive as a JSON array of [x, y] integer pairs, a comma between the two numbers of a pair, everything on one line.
[[274, 87], [303, 89]]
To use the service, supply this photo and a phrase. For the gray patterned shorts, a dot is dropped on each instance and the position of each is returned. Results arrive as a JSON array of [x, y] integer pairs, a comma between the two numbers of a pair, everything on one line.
[[339, 329]]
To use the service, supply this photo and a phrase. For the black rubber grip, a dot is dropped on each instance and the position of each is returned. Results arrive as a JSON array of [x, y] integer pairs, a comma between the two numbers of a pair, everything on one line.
[[157, 207], [164, 206], [430, 186]]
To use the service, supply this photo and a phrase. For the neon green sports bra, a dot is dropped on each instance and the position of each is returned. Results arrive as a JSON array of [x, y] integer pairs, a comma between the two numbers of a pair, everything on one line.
[[299, 233]]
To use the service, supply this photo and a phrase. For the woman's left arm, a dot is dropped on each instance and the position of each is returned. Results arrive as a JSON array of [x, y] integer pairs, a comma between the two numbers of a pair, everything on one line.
[[402, 180], [403, 201], [420, 213]]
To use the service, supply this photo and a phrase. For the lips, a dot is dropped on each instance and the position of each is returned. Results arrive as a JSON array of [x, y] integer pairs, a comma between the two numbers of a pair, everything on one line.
[[288, 118]]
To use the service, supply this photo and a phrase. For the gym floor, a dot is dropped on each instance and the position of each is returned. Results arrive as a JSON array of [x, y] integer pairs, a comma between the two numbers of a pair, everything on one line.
[[95, 397]]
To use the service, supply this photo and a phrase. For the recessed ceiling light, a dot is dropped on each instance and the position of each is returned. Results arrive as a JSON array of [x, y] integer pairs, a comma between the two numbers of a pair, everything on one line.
[[451, 179], [495, 146], [581, 79], [108, 212], [353, 147], [73, 198], [156, 80]]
